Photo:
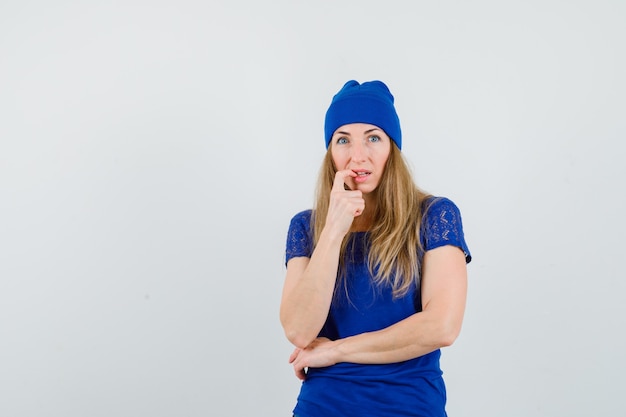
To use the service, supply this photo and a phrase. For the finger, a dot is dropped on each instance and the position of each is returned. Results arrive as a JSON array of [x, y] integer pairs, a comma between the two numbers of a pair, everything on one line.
[[299, 369], [301, 374], [360, 208], [340, 179], [294, 355]]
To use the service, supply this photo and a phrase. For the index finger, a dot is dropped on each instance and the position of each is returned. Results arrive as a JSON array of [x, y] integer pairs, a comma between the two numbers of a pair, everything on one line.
[[340, 179]]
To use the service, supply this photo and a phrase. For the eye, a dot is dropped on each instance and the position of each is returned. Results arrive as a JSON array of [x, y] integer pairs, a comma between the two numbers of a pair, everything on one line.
[[342, 140], [374, 138]]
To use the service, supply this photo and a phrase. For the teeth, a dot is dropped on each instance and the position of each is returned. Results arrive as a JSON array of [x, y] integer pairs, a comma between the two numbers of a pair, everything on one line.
[[362, 174]]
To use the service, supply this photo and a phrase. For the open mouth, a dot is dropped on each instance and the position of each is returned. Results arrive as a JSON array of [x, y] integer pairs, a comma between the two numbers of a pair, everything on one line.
[[362, 176]]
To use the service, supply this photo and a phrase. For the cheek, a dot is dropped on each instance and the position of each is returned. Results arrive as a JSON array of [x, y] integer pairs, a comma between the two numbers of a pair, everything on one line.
[[382, 160], [386, 155], [338, 159]]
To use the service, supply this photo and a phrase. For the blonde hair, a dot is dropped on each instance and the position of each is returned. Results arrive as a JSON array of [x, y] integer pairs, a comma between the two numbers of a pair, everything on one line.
[[395, 248]]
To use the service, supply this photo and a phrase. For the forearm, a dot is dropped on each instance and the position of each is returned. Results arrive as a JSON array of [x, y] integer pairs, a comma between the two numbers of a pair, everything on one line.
[[443, 292], [307, 295], [410, 338]]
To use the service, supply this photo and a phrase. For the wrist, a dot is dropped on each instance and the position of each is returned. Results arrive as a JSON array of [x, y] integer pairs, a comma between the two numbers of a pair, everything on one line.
[[332, 235], [338, 350]]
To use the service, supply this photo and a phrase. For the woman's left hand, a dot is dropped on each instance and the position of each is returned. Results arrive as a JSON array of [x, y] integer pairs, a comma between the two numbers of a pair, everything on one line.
[[318, 354]]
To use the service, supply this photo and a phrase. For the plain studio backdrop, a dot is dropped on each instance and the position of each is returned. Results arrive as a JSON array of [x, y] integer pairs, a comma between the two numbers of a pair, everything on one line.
[[152, 154]]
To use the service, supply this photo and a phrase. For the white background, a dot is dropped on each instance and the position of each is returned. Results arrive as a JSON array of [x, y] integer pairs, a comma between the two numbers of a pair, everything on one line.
[[152, 154]]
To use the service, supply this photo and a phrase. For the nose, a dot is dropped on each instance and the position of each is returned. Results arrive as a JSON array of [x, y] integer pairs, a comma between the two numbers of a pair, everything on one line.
[[359, 152]]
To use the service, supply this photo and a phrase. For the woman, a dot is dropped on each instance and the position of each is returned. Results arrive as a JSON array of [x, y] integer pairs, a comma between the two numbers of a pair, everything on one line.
[[376, 275]]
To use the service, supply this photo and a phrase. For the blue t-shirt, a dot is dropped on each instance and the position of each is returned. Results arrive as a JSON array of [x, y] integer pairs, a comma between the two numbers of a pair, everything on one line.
[[411, 388]]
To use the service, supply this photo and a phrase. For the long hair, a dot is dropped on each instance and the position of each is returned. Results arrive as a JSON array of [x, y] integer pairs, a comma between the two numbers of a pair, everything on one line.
[[394, 239]]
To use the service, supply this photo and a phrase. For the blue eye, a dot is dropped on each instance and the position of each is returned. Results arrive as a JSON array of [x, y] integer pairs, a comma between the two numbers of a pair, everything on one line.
[[374, 138], [342, 141]]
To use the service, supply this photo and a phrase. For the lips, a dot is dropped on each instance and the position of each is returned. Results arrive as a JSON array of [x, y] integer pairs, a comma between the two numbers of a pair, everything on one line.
[[361, 174]]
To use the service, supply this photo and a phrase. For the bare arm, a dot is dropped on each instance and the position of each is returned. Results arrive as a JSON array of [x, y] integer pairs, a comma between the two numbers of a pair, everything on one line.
[[444, 289], [309, 283]]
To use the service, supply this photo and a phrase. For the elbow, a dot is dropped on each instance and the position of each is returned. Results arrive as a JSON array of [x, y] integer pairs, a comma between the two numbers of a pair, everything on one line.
[[298, 339], [448, 334], [295, 335], [447, 340]]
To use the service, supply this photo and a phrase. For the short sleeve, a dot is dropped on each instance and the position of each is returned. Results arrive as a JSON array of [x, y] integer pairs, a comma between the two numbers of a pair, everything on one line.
[[442, 226], [299, 236]]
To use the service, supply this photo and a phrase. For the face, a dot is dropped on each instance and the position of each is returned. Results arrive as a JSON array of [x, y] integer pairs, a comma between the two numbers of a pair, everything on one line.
[[364, 149]]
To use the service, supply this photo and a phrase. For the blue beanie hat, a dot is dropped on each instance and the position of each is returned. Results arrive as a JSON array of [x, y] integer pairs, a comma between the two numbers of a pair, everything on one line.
[[370, 102]]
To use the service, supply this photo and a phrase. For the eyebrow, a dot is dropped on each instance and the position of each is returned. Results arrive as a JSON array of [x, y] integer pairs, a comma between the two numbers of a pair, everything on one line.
[[348, 134]]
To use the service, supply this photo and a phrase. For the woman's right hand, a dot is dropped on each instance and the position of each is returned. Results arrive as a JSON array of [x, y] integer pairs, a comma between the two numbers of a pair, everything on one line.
[[310, 281], [345, 204]]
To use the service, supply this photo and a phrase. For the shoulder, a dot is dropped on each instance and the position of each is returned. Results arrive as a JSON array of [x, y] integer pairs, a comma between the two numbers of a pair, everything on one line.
[[300, 226], [442, 207], [442, 225], [302, 218]]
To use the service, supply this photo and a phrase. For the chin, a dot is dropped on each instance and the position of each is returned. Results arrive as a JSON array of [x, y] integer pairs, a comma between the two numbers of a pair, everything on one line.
[[365, 188]]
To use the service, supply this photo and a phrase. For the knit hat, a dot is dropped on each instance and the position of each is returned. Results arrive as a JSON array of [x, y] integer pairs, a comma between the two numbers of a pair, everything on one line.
[[370, 102]]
